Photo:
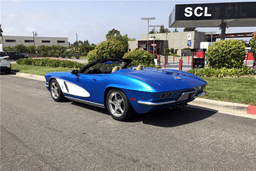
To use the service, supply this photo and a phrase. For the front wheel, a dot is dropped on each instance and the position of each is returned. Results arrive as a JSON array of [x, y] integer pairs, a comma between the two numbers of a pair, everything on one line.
[[56, 92], [118, 105]]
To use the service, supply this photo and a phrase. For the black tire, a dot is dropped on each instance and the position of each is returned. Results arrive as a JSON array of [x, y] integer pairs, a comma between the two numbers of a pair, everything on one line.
[[8, 71], [55, 91], [118, 105]]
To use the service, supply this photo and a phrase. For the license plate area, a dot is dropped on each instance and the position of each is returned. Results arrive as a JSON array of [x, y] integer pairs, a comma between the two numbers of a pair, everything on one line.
[[185, 96]]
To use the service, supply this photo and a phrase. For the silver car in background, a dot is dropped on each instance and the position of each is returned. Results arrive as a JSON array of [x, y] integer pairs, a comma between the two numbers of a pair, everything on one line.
[[5, 63]]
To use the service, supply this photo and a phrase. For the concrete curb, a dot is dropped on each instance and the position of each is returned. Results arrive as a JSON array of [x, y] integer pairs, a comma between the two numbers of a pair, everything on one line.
[[215, 103], [30, 76]]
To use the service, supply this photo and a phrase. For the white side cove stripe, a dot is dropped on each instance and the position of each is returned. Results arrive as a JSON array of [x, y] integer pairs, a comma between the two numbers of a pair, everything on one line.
[[72, 89]]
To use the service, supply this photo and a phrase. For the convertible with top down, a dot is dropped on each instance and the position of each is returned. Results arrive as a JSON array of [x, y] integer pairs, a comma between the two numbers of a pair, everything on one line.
[[108, 83]]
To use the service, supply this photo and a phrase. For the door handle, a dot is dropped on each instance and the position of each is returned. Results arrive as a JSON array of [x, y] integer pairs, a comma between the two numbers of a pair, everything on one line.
[[94, 79]]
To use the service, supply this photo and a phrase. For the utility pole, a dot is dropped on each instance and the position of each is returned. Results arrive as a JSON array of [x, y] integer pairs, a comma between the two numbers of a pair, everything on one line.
[[148, 18], [154, 36], [2, 37]]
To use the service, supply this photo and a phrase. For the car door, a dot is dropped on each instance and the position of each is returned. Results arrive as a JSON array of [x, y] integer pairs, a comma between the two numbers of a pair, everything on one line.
[[94, 84]]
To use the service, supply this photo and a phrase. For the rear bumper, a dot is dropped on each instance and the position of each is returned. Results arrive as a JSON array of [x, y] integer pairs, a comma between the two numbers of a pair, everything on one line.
[[4, 68], [182, 98]]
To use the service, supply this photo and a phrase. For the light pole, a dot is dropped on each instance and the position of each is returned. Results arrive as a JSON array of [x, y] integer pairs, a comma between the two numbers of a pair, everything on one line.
[[154, 36], [148, 18], [2, 36], [34, 34]]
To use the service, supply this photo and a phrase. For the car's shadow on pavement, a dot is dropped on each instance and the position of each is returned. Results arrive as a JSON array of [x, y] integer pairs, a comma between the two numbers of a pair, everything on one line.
[[163, 118], [174, 117]]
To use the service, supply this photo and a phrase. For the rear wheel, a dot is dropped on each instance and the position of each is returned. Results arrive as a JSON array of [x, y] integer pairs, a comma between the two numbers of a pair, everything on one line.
[[118, 105], [56, 92]]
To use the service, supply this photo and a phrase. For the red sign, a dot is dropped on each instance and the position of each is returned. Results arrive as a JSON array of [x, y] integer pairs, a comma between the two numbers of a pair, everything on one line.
[[250, 56], [251, 110]]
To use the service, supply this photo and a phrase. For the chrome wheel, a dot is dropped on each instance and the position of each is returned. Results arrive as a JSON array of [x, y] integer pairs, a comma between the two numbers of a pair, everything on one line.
[[54, 90], [116, 104]]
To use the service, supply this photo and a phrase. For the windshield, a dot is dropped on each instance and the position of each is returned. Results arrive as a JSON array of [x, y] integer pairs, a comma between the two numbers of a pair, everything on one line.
[[107, 65]]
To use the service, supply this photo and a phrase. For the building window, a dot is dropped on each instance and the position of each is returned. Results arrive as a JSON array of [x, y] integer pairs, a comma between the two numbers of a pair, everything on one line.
[[9, 40], [29, 41], [60, 41], [45, 41]]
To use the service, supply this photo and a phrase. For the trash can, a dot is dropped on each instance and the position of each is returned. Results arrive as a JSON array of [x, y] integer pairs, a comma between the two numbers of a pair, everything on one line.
[[198, 63]]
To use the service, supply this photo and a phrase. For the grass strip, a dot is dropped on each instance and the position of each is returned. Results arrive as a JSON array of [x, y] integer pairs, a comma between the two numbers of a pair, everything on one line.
[[38, 70], [236, 90]]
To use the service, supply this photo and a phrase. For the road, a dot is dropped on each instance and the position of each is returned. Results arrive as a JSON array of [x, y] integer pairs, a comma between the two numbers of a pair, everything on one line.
[[40, 134]]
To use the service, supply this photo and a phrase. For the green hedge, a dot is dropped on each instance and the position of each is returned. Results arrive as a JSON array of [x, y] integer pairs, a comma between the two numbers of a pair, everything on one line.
[[49, 62], [222, 72]]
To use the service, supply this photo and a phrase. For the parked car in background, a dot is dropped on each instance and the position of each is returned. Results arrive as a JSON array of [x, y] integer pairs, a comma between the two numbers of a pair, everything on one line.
[[5, 63], [24, 55], [16, 55]]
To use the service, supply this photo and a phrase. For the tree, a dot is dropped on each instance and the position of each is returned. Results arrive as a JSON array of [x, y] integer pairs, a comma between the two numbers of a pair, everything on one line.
[[163, 30], [31, 49], [20, 48], [8, 49], [152, 31], [115, 34], [189, 29]]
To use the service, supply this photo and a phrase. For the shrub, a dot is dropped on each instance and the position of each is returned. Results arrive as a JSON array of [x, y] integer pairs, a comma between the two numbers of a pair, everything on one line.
[[58, 53], [222, 72], [91, 56], [185, 49], [108, 49], [44, 54], [252, 44], [172, 50], [63, 55], [49, 62], [51, 53], [140, 57], [167, 51], [176, 50], [226, 53]]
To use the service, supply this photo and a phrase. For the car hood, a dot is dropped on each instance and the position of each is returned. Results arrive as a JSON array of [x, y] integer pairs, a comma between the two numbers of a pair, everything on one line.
[[164, 79]]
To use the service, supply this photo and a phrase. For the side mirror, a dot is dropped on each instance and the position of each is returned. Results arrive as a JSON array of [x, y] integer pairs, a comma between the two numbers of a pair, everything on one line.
[[74, 72]]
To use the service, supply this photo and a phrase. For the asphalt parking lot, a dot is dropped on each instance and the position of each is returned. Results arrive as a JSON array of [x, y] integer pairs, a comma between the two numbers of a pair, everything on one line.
[[40, 134]]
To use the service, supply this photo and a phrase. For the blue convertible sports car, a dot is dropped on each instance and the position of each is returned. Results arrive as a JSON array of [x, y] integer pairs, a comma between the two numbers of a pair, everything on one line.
[[108, 84]]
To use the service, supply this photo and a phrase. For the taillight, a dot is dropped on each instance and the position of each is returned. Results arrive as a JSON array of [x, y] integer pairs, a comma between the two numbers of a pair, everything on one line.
[[163, 95], [169, 95], [7, 59]]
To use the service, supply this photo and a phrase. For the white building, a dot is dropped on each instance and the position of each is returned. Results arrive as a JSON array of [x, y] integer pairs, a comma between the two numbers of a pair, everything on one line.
[[29, 40]]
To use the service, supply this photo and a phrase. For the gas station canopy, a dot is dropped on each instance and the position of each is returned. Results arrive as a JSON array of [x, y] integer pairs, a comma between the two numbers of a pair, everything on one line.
[[235, 14]]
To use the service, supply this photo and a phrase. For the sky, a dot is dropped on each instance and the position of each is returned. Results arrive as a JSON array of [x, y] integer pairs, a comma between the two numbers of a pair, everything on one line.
[[92, 20]]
